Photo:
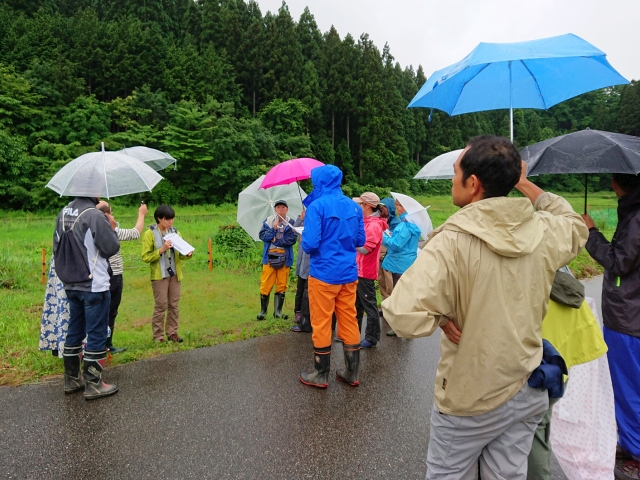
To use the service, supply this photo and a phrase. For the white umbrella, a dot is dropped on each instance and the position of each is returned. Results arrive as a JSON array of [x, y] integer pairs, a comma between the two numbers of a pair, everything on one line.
[[256, 204], [439, 168], [103, 174], [154, 158], [416, 213]]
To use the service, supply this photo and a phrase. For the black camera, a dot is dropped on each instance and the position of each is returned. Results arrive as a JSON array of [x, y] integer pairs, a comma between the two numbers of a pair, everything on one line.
[[171, 272]]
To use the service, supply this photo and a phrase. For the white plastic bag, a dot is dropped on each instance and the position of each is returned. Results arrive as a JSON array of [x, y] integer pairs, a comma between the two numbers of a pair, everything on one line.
[[583, 424]]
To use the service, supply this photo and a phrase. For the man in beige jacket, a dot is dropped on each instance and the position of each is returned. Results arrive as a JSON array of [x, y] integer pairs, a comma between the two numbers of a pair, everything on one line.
[[484, 278]]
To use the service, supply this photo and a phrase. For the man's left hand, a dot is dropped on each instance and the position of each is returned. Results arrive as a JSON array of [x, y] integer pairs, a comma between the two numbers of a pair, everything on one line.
[[588, 221]]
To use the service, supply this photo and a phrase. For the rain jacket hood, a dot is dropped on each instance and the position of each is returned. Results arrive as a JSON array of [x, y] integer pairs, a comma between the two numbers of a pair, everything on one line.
[[630, 203], [508, 226], [326, 180], [393, 219], [402, 246], [333, 229]]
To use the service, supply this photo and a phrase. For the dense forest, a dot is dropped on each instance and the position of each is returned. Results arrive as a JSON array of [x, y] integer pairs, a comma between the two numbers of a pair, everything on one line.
[[230, 91]]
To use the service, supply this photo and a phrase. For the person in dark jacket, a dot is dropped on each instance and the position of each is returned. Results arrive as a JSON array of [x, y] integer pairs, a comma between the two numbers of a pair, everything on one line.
[[277, 257], [88, 301], [301, 308], [621, 314], [334, 228]]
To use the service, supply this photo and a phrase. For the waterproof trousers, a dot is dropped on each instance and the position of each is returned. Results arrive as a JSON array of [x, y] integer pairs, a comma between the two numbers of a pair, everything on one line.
[[624, 365], [301, 287], [324, 299], [270, 277], [501, 439]]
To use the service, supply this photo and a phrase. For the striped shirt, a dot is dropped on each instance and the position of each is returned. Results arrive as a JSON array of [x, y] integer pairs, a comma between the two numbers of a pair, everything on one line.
[[124, 234]]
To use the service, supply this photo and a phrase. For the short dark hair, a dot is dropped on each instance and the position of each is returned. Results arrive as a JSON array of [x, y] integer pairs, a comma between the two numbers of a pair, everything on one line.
[[626, 181], [164, 212], [495, 161]]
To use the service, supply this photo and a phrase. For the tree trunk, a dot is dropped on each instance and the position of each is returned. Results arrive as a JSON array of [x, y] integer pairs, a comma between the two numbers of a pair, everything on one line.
[[254, 103], [418, 158], [360, 158], [333, 129], [348, 137]]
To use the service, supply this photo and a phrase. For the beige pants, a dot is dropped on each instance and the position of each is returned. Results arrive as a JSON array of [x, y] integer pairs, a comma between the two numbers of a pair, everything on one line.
[[166, 293], [385, 280]]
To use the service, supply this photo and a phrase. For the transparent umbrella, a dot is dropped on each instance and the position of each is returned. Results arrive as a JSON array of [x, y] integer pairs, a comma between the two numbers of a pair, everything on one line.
[[440, 167], [255, 204], [416, 213], [103, 174], [154, 158]]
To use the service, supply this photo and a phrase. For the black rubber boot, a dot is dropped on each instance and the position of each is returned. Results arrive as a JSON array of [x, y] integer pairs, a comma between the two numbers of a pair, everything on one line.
[[352, 362], [73, 381], [94, 387], [320, 376], [264, 306], [278, 303], [110, 347]]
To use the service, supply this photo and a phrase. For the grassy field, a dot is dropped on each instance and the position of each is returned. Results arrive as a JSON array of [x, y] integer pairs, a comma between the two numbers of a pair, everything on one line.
[[216, 306]]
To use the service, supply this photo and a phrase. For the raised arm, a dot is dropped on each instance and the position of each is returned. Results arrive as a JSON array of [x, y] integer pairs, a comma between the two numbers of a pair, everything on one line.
[[621, 256], [142, 211], [568, 227], [396, 242]]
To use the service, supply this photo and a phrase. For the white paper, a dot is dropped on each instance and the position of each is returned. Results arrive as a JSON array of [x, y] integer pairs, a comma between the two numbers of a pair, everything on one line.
[[298, 229], [179, 244]]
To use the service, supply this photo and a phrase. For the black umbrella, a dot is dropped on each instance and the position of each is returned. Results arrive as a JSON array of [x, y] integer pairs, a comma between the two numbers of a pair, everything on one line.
[[587, 151]]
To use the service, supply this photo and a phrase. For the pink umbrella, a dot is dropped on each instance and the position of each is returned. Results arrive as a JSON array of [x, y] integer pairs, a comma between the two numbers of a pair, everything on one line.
[[290, 171]]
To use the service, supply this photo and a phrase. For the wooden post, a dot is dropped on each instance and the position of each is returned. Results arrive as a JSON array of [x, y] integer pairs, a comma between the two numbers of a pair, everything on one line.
[[44, 264], [210, 255]]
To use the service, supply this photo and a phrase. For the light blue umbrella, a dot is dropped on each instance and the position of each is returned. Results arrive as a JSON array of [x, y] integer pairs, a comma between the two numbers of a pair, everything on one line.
[[534, 74]]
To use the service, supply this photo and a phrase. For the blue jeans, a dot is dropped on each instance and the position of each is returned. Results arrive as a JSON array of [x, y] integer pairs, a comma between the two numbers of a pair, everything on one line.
[[88, 316]]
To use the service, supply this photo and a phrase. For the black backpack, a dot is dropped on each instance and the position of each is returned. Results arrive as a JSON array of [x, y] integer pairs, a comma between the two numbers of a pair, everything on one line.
[[71, 267]]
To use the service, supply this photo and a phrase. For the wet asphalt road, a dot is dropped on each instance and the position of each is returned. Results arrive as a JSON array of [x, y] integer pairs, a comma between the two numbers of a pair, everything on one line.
[[232, 411]]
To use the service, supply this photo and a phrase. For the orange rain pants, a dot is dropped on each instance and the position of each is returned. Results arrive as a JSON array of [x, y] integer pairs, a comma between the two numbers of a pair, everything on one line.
[[324, 299], [271, 276]]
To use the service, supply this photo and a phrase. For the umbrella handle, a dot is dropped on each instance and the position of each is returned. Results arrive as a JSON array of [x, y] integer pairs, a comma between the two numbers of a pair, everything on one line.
[[586, 187]]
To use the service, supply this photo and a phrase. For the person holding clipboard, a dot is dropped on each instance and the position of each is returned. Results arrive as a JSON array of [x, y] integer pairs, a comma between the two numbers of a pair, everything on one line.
[[164, 250]]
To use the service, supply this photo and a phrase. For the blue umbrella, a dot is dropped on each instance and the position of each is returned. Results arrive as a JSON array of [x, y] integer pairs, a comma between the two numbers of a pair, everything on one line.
[[534, 74]]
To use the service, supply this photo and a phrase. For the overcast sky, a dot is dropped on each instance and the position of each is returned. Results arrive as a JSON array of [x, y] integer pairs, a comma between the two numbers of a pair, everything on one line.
[[437, 33]]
